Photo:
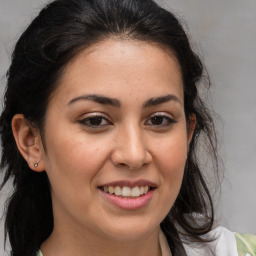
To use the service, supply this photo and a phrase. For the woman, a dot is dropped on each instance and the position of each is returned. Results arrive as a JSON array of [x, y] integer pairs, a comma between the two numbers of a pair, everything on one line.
[[100, 129]]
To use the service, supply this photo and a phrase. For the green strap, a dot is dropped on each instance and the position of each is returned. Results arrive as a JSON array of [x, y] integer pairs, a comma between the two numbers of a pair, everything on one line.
[[39, 253], [246, 244]]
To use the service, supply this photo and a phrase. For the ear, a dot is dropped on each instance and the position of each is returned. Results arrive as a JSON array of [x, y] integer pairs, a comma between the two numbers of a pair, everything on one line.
[[29, 142], [191, 127]]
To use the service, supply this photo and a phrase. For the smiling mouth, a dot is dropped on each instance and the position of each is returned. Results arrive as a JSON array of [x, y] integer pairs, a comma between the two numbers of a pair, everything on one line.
[[126, 192]]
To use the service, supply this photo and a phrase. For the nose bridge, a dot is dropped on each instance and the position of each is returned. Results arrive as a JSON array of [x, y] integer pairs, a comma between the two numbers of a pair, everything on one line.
[[131, 149], [134, 144]]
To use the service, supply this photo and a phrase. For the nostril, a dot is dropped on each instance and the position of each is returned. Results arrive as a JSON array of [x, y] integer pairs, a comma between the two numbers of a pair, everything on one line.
[[131, 159]]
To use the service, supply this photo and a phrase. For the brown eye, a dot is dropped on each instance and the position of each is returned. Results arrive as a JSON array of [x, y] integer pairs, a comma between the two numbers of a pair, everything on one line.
[[95, 121], [160, 120], [157, 120]]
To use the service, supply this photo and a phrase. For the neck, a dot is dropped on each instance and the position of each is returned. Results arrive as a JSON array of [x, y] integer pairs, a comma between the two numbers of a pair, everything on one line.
[[76, 242]]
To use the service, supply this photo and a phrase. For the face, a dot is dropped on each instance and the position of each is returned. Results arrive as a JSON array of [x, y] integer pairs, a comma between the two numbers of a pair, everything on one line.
[[116, 140]]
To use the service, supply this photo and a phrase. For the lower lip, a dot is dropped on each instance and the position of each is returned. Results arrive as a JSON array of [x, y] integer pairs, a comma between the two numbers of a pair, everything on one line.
[[129, 203]]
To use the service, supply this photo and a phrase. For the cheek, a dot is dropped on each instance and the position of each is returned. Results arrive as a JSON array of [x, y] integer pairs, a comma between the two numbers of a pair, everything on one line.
[[172, 152], [172, 156], [72, 161], [71, 168]]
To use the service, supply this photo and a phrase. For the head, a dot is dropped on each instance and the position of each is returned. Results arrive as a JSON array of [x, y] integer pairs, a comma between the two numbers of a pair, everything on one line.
[[59, 49]]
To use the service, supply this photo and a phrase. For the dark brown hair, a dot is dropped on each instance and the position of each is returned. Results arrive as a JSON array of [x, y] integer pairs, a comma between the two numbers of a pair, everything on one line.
[[56, 35]]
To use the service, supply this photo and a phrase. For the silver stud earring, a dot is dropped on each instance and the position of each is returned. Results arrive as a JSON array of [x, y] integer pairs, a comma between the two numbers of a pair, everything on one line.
[[35, 165]]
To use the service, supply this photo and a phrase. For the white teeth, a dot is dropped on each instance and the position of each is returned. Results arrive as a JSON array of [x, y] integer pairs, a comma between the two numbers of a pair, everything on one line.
[[135, 192], [111, 190], [142, 190], [126, 191], [118, 191]]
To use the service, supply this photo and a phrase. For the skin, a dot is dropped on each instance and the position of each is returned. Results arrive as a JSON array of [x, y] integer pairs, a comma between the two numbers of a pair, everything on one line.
[[125, 145]]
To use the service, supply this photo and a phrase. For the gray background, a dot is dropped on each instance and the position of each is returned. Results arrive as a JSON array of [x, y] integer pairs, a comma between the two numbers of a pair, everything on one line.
[[224, 33]]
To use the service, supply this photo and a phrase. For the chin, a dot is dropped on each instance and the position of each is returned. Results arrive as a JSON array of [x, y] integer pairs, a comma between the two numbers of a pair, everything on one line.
[[131, 230]]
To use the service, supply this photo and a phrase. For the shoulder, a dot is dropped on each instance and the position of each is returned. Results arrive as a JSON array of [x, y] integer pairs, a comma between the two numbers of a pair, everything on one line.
[[246, 244], [225, 242]]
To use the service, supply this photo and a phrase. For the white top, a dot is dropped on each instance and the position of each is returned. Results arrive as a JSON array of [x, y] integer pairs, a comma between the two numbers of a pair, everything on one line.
[[225, 243]]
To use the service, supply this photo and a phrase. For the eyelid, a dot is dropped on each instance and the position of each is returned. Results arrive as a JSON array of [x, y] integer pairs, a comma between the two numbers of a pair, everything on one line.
[[94, 114], [87, 116], [164, 115]]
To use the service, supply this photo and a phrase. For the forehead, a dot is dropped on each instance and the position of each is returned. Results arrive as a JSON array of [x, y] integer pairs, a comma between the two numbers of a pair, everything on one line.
[[118, 66]]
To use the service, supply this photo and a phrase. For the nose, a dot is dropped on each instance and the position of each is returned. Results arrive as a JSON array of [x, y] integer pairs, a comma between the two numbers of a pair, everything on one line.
[[131, 149]]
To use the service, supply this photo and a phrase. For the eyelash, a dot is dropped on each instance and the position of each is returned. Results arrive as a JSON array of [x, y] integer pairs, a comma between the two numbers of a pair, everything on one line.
[[168, 121], [96, 118], [154, 118]]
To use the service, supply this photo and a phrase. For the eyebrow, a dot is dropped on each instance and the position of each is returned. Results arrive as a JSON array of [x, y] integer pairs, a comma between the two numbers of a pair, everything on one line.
[[116, 103], [99, 99], [161, 99]]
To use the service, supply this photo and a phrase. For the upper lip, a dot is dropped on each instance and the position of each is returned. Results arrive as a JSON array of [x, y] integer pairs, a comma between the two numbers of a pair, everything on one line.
[[130, 183]]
